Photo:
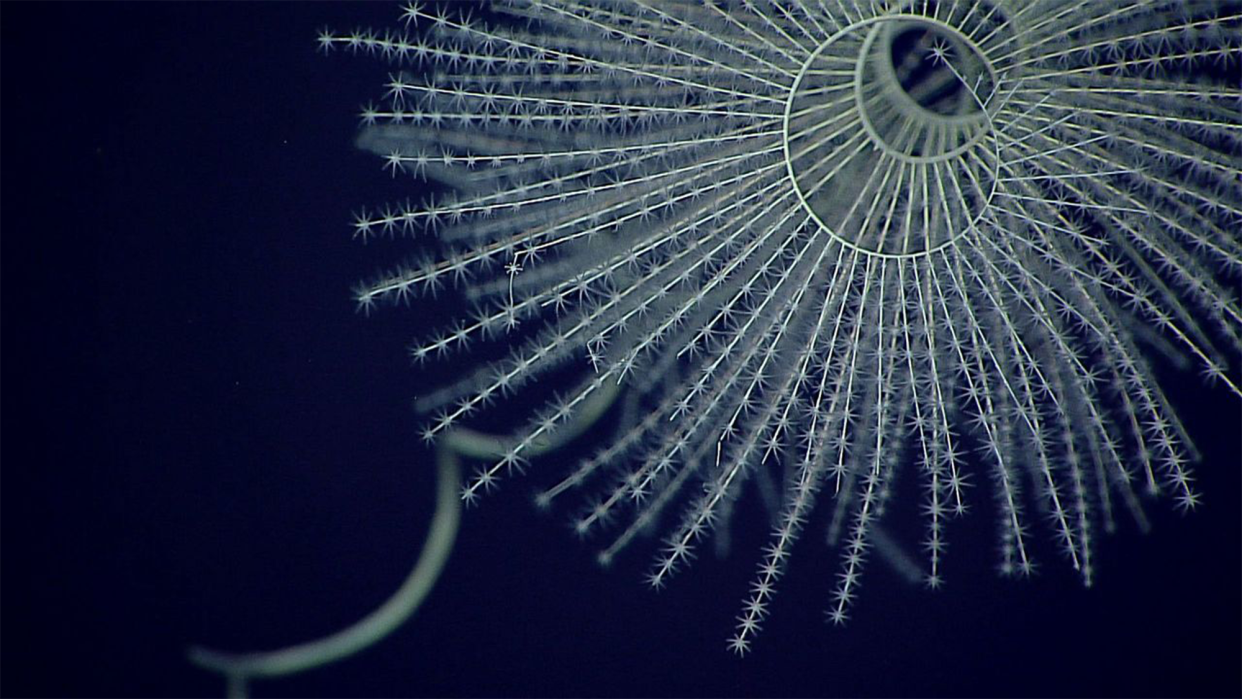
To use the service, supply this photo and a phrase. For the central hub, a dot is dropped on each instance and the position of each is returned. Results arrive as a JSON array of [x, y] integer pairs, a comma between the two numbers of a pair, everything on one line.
[[888, 139]]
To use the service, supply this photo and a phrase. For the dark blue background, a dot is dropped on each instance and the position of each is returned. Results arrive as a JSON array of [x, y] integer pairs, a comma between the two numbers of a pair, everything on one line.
[[203, 442]]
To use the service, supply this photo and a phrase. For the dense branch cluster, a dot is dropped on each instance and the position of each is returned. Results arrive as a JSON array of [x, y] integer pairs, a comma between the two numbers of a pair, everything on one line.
[[822, 242]]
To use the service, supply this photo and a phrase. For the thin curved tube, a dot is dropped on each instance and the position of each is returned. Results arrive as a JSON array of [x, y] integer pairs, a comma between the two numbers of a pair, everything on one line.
[[239, 668]]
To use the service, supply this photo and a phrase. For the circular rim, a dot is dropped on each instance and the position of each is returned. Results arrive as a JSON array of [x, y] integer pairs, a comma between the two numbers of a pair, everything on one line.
[[911, 105], [917, 160]]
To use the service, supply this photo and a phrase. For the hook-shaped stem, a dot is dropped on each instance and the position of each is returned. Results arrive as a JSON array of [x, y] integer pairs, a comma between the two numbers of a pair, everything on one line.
[[239, 668]]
